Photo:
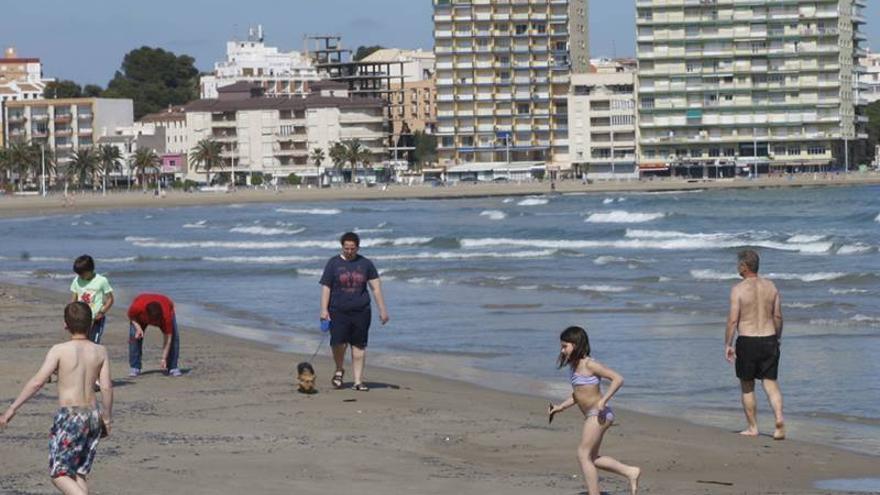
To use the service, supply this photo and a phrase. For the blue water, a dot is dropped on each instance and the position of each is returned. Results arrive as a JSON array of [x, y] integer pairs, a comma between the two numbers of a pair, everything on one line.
[[480, 288]]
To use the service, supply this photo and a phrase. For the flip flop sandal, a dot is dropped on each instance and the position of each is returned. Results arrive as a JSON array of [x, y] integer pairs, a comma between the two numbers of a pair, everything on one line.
[[360, 387], [337, 379]]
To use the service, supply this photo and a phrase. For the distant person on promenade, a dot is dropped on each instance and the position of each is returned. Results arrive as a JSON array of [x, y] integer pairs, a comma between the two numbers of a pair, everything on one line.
[[585, 373], [156, 310], [79, 423], [756, 321], [345, 301], [94, 290]]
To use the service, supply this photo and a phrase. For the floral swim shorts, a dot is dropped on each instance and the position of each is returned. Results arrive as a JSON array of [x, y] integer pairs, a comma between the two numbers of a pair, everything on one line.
[[73, 441]]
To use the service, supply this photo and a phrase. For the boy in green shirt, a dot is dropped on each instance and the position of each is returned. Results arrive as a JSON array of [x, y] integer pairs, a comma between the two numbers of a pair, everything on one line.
[[94, 290]]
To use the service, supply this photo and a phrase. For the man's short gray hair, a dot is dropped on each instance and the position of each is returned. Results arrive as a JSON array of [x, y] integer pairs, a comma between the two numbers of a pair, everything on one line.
[[750, 259]]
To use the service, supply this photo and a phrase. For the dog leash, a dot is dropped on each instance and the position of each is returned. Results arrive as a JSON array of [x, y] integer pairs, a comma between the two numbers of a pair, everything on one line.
[[320, 344]]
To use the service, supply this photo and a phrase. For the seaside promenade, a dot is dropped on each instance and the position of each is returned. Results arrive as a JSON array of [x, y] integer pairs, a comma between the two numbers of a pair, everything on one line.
[[12, 205]]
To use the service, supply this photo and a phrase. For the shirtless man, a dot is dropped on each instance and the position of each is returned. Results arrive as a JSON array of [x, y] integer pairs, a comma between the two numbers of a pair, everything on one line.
[[78, 422], [756, 318]]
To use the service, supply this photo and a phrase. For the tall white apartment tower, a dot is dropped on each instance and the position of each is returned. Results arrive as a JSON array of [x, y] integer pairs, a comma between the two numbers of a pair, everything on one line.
[[729, 85], [503, 73]]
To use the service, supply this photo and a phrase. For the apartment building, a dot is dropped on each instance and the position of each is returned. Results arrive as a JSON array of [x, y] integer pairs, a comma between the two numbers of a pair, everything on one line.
[[727, 86], [250, 60], [274, 137], [66, 125], [602, 121], [20, 79], [412, 103], [870, 78], [503, 73]]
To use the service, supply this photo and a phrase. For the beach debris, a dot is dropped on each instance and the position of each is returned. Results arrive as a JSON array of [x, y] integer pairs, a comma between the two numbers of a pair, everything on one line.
[[713, 482]]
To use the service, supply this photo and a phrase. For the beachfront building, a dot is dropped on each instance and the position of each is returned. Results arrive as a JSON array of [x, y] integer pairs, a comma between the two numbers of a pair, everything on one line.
[[503, 72], [274, 137], [727, 86], [870, 79], [602, 121], [20, 79], [169, 127], [65, 125], [279, 73], [412, 96]]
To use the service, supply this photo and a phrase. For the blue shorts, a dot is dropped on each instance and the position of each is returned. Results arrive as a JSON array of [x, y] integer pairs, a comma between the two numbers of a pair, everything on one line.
[[350, 327]]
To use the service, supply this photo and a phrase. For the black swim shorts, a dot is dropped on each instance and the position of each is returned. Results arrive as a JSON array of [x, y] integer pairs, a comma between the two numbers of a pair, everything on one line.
[[757, 358], [350, 327]]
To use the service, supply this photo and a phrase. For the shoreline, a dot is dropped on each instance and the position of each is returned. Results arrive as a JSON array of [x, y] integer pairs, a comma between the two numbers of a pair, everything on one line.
[[19, 206], [237, 411]]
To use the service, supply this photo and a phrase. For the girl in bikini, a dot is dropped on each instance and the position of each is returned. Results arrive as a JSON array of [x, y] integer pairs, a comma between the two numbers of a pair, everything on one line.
[[585, 376]]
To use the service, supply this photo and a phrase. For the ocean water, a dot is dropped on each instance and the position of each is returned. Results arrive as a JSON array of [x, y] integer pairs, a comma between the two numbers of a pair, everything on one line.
[[479, 289]]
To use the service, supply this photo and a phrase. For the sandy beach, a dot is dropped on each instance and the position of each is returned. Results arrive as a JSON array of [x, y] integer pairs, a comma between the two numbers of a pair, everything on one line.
[[234, 424], [11, 206]]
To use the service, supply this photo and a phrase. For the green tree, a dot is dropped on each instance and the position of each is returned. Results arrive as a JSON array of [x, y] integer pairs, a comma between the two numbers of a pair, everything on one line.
[[426, 148], [63, 89], [355, 154], [109, 160], [337, 155], [84, 164], [92, 91], [144, 159], [154, 79], [873, 113], [363, 52], [318, 156], [206, 155], [23, 160]]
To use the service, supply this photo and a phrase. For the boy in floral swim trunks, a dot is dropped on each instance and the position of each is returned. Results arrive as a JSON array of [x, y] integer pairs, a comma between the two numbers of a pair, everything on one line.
[[79, 423]]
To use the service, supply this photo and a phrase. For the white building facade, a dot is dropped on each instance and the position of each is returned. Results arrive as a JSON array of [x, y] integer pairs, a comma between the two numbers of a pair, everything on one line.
[[602, 125], [870, 79], [727, 86], [503, 72], [279, 73]]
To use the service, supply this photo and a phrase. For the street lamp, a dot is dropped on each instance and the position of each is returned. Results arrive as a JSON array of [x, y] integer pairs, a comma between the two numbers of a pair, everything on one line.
[[43, 169]]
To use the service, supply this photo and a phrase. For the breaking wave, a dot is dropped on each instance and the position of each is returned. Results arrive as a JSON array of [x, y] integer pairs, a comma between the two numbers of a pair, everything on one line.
[[256, 230], [494, 214], [311, 211], [621, 216], [533, 202]]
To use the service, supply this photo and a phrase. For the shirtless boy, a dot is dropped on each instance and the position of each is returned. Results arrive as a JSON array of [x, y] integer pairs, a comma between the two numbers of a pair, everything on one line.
[[756, 320], [77, 427]]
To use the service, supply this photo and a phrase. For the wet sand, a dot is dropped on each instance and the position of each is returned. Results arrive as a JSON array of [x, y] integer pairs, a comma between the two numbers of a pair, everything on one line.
[[234, 424], [55, 203]]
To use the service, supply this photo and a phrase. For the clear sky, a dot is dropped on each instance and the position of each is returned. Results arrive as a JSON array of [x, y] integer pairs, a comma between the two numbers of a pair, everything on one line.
[[85, 40]]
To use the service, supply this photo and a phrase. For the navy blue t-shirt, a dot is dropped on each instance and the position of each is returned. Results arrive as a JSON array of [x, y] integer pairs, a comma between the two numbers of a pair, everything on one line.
[[347, 281]]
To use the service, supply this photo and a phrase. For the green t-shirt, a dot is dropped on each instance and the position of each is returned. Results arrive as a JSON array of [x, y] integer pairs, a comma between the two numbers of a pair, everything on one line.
[[92, 291]]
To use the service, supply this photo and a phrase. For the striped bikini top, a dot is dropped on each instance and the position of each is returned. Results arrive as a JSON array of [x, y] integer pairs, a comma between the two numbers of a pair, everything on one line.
[[578, 380]]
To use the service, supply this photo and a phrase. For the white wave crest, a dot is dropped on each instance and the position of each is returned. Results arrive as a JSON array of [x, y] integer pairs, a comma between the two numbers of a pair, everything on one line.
[[712, 275], [877, 218], [840, 292], [854, 249], [494, 214], [607, 201], [533, 202], [266, 230], [602, 288], [264, 260], [197, 225], [426, 280], [507, 200], [132, 238], [309, 272], [311, 211], [621, 216], [457, 255], [805, 238], [797, 305], [673, 244], [865, 318], [803, 277], [306, 244]]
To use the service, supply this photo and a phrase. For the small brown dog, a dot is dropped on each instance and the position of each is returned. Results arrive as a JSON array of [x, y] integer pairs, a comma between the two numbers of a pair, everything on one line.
[[305, 376]]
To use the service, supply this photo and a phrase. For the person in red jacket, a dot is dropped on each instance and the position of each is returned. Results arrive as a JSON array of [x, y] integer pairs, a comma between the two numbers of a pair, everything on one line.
[[157, 310]]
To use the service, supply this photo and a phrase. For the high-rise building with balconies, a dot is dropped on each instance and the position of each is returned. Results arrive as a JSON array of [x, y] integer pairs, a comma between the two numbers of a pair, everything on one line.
[[503, 73], [727, 85]]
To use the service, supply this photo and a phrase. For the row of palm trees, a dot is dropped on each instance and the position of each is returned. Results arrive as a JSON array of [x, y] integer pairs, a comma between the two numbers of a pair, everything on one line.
[[89, 167]]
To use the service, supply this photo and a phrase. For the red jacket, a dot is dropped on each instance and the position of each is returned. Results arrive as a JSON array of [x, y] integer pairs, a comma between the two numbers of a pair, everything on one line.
[[137, 312]]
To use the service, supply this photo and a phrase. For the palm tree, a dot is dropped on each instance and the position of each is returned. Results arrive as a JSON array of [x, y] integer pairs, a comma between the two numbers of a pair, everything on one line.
[[318, 156], [84, 166], [144, 159], [110, 160], [356, 153], [207, 154], [22, 159]]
